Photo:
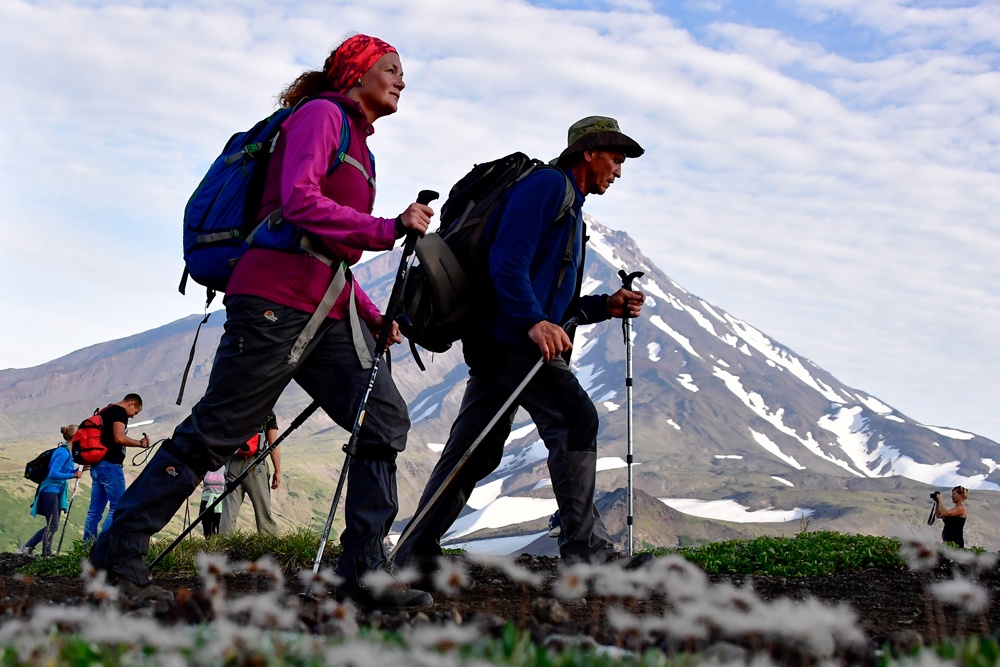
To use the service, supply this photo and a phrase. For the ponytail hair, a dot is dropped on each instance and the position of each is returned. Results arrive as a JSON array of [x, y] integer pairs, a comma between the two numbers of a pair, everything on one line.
[[68, 432]]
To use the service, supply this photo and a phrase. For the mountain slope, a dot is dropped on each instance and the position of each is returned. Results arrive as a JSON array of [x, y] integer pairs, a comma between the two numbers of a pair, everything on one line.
[[729, 424]]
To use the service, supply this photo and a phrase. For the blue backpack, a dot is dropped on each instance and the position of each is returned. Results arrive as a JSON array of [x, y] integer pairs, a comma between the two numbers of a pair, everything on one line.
[[220, 217]]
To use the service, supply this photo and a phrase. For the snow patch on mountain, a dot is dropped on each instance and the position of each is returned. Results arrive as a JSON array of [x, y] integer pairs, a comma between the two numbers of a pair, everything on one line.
[[874, 404], [582, 343], [851, 429], [730, 510], [498, 546], [782, 358], [484, 494], [519, 432], [687, 382], [772, 448], [658, 322], [504, 511], [653, 350], [950, 433], [600, 245], [523, 456], [755, 402], [590, 285], [782, 480]]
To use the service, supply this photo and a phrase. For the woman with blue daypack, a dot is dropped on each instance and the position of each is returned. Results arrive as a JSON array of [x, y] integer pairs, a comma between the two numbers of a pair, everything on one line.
[[52, 496], [273, 298]]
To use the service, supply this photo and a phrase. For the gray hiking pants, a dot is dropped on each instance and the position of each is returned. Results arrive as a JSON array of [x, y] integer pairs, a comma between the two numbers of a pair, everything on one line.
[[567, 423], [247, 378], [257, 487]]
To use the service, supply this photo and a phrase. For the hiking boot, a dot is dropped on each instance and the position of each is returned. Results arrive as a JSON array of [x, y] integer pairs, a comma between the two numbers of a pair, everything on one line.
[[26, 550], [138, 594], [630, 562], [395, 597], [555, 527]]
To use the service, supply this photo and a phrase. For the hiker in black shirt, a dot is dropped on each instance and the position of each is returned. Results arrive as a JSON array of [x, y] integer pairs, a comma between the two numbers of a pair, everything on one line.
[[107, 476]]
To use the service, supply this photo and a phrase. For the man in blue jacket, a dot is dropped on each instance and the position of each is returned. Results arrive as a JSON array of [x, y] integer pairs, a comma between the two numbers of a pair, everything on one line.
[[536, 269]]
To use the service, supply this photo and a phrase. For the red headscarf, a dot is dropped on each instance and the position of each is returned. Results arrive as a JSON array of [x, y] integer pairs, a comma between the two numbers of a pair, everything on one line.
[[353, 58]]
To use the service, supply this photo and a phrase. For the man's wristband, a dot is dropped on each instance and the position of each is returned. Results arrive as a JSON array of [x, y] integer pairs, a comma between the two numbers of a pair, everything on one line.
[[400, 227]]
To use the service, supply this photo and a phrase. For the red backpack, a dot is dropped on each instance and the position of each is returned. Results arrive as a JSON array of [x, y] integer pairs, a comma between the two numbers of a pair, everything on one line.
[[250, 449], [86, 446]]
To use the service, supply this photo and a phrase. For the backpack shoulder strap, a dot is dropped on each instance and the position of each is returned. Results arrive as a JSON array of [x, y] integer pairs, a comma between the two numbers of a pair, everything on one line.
[[342, 157], [567, 211]]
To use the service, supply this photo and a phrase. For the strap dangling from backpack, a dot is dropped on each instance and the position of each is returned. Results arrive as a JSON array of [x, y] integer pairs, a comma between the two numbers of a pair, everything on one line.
[[194, 343]]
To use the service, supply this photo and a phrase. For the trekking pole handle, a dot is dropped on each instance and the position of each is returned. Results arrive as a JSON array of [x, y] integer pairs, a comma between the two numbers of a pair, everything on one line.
[[627, 278], [424, 197]]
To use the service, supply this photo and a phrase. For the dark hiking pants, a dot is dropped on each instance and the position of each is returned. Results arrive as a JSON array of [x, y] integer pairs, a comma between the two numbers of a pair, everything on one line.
[[48, 506], [567, 423], [248, 376]]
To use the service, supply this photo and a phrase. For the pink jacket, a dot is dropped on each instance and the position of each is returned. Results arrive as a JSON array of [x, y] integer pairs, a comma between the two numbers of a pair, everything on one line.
[[335, 210]]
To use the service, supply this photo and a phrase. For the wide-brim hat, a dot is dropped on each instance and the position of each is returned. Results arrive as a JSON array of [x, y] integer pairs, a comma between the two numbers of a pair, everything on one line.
[[596, 133]]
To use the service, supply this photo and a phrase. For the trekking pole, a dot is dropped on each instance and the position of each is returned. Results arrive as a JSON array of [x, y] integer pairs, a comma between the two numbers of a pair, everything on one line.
[[415, 521], [627, 279], [392, 310], [233, 485], [69, 508]]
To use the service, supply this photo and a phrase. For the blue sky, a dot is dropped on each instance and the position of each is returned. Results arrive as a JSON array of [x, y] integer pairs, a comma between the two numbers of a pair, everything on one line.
[[826, 170]]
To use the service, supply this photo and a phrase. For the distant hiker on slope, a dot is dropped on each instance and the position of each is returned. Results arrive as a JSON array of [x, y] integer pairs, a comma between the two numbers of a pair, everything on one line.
[[53, 495], [212, 486], [257, 485], [108, 476], [523, 318], [954, 518], [269, 300]]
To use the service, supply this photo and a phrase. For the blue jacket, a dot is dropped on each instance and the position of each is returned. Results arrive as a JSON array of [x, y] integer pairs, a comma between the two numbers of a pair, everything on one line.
[[527, 256], [61, 468]]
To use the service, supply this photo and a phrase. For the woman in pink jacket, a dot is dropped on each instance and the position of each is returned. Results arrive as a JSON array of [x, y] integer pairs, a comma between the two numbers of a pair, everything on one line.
[[272, 297]]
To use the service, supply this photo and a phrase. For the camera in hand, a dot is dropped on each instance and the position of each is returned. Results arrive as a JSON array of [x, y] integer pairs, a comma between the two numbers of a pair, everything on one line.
[[935, 494]]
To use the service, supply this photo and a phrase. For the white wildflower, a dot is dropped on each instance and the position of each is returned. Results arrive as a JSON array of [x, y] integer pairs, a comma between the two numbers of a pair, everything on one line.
[[381, 581], [616, 581], [343, 615], [573, 581], [212, 565], [961, 593], [451, 577], [407, 574], [919, 552], [265, 610]]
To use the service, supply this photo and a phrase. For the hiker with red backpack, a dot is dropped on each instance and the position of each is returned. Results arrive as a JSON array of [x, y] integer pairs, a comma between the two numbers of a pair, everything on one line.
[[52, 496], [107, 474], [272, 338], [533, 288], [257, 484]]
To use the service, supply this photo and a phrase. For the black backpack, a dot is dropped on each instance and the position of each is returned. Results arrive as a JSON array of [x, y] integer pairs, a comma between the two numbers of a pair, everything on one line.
[[37, 469], [451, 263]]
